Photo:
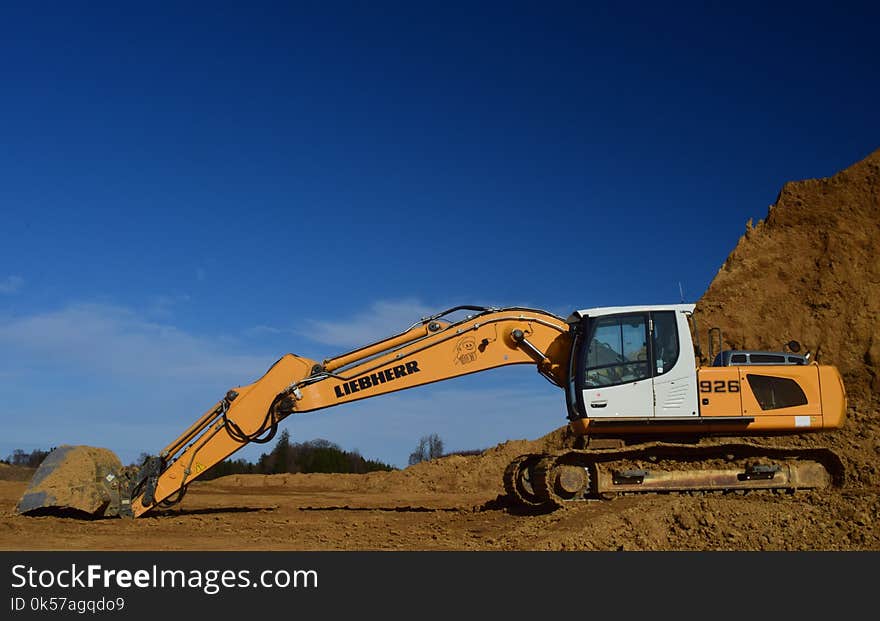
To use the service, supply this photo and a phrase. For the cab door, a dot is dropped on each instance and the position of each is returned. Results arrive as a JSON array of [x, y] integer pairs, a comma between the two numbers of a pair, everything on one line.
[[616, 378], [675, 387]]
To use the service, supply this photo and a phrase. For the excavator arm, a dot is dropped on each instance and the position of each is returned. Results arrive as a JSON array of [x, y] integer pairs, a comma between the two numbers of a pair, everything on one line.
[[434, 349]]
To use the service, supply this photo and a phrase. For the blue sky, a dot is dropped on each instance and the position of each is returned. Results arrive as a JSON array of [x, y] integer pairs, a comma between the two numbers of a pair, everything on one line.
[[190, 190]]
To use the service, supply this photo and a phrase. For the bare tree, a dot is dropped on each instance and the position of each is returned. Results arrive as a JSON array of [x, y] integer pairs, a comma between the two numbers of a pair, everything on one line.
[[430, 447]]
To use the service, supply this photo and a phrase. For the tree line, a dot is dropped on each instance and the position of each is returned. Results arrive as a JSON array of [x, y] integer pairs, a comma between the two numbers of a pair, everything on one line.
[[29, 460], [300, 457]]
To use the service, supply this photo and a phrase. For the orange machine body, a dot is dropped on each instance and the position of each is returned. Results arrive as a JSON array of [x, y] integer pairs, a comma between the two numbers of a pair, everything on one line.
[[768, 399]]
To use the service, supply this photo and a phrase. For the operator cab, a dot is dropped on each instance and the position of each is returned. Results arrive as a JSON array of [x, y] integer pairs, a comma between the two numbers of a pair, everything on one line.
[[632, 363]]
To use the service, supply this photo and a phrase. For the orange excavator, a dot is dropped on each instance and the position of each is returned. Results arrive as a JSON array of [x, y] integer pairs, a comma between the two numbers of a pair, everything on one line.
[[646, 406]]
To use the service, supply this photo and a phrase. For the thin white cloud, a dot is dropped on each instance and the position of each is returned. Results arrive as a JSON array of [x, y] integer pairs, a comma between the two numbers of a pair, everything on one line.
[[163, 306], [11, 284], [107, 375], [384, 318], [263, 330], [118, 341]]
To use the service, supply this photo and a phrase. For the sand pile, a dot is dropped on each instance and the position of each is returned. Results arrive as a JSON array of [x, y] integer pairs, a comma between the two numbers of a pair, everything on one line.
[[809, 271], [451, 474]]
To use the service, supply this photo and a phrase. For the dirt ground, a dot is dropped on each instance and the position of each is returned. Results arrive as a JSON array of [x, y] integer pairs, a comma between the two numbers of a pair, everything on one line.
[[457, 503], [810, 271]]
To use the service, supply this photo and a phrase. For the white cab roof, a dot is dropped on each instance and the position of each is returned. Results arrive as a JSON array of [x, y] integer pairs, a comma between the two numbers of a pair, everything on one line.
[[614, 310]]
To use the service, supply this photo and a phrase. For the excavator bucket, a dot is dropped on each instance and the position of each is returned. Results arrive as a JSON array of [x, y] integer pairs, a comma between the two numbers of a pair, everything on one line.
[[74, 480]]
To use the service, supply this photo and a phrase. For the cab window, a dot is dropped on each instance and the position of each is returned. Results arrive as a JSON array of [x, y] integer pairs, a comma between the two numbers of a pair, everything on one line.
[[617, 351], [665, 341]]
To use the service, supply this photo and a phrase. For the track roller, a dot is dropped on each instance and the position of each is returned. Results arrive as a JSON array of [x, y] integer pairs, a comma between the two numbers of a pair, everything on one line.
[[518, 481], [558, 479]]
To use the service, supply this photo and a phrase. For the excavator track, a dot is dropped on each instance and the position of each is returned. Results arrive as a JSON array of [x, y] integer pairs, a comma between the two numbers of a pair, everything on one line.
[[562, 477], [518, 484]]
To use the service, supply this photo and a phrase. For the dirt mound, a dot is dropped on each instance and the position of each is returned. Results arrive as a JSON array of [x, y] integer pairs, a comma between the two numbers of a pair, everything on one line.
[[452, 474], [810, 271], [475, 473]]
